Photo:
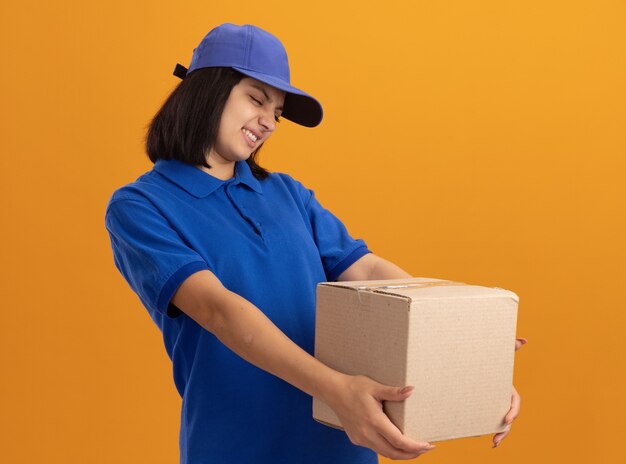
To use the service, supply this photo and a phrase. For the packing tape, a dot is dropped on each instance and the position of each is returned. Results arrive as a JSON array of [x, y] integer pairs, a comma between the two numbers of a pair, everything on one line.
[[400, 285], [437, 283]]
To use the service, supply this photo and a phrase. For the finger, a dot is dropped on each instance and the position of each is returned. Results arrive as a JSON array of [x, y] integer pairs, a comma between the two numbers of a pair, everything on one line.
[[387, 393], [389, 451], [394, 436], [516, 401], [519, 342], [498, 437]]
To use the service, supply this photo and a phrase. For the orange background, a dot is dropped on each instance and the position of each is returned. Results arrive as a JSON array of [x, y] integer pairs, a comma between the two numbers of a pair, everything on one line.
[[480, 141]]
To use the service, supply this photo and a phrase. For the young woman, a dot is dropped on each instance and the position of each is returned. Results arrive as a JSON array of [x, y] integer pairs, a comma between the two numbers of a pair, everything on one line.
[[226, 258]]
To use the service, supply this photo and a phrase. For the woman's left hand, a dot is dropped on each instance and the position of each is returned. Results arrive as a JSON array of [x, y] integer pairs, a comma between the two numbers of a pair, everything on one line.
[[515, 402]]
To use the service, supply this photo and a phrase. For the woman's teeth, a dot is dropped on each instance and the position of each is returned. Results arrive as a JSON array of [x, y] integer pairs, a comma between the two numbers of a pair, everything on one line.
[[250, 135]]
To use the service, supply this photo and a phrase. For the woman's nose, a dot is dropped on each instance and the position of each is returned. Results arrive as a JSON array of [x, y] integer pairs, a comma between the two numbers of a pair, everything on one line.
[[268, 121]]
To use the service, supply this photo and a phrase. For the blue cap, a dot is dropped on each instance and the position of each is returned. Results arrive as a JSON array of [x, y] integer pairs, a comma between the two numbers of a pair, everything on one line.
[[257, 54]]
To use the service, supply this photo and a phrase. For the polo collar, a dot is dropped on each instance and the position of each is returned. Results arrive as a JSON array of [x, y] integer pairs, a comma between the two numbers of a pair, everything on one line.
[[243, 173], [201, 184]]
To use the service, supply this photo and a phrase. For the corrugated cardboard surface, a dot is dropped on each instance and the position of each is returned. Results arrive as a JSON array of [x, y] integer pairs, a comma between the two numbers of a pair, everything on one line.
[[454, 342], [345, 338]]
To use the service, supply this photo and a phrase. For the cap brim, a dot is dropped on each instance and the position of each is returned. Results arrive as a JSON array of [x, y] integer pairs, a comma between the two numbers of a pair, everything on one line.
[[299, 106]]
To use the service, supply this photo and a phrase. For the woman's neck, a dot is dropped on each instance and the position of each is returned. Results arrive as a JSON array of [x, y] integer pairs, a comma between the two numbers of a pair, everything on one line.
[[221, 169]]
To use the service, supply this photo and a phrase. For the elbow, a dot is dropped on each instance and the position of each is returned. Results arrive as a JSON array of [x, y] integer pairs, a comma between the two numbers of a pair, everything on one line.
[[225, 319]]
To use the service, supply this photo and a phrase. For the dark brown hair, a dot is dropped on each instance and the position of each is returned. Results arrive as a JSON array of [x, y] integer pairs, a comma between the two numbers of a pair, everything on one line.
[[186, 126]]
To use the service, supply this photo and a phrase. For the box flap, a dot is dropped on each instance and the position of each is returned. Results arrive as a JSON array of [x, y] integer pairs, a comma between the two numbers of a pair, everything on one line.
[[418, 288]]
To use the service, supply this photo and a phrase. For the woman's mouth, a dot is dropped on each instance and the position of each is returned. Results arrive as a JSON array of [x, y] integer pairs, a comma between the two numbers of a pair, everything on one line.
[[250, 137]]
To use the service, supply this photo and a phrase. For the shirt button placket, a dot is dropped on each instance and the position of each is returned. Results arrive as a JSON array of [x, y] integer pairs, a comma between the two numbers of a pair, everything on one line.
[[256, 225]]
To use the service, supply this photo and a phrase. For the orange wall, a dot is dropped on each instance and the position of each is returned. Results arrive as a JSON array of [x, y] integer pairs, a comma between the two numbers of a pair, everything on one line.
[[480, 141]]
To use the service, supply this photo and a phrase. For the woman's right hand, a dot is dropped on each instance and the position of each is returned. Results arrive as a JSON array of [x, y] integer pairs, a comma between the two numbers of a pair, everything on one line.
[[357, 402]]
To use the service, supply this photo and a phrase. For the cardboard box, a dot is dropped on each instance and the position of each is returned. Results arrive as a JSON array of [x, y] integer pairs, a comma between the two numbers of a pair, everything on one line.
[[454, 342]]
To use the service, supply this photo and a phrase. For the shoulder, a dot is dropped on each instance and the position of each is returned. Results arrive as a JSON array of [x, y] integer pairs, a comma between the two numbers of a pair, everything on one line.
[[133, 192], [285, 181], [147, 188], [140, 198]]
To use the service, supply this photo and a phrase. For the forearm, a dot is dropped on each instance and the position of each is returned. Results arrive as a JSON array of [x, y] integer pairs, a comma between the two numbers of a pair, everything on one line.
[[243, 328], [373, 267], [383, 269]]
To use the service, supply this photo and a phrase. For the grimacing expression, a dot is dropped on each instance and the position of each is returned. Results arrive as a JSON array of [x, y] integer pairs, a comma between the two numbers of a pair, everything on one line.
[[249, 118]]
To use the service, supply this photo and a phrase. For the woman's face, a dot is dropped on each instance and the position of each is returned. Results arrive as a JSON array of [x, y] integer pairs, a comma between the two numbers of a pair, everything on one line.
[[249, 118]]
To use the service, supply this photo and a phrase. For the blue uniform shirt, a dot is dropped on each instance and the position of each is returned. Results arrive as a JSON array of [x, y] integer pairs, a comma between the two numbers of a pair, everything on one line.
[[269, 241]]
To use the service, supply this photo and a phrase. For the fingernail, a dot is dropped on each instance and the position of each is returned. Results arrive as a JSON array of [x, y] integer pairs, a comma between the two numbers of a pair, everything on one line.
[[406, 390]]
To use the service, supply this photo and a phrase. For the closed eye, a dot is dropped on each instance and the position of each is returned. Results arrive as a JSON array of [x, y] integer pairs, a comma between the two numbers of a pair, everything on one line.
[[260, 103]]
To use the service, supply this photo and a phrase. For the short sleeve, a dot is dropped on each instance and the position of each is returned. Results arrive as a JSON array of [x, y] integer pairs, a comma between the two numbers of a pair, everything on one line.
[[149, 253], [337, 248]]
